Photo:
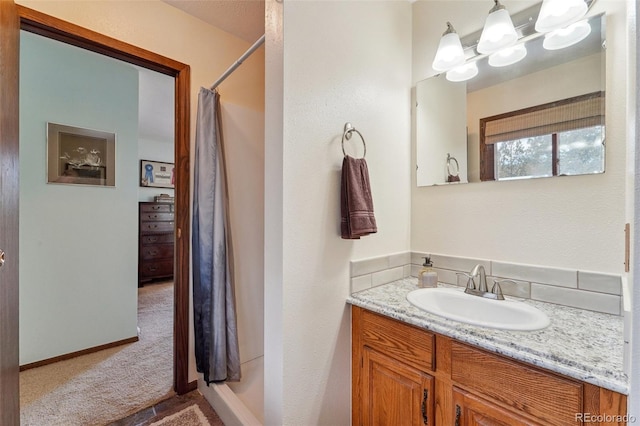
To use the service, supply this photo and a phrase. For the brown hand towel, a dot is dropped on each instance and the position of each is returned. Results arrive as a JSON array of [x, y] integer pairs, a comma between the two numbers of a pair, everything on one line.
[[356, 202]]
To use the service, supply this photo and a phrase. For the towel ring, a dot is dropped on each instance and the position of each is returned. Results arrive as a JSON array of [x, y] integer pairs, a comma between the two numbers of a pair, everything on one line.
[[348, 130], [451, 159]]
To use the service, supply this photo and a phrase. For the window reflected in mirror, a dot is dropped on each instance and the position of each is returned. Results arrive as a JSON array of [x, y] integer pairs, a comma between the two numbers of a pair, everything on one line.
[[561, 138]]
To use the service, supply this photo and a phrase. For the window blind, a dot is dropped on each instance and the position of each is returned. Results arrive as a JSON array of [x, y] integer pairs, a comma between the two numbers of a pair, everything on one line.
[[561, 116]]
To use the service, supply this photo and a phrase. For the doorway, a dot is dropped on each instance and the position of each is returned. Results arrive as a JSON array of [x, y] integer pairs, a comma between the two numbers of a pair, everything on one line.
[[78, 257], [38, 23], [12, 19]]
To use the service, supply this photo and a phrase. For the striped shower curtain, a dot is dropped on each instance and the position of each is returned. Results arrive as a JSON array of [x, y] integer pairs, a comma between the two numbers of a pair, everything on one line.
[[216, 338]]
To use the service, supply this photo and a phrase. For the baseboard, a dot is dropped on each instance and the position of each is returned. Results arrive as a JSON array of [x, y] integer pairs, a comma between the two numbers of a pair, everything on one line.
[[227, 405], [79, 353]]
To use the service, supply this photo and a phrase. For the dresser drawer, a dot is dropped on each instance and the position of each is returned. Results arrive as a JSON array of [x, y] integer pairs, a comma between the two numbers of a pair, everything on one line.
[[157, 268], [553, 399], [147, 227], [156, 238], [153, 207], [155, 216], [157, 251], [400, 341]]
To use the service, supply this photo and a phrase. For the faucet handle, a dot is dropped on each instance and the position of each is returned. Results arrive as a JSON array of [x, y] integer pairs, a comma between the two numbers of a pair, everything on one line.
[[497, 289], [471, 284]]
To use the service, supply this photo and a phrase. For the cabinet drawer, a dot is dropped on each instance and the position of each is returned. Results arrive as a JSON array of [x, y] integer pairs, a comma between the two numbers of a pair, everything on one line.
[[146, 227], [156, 268], [153, 207], [400, 341], [157, 251], [553, 399], [156, 238], [153, 216], [472, 410]]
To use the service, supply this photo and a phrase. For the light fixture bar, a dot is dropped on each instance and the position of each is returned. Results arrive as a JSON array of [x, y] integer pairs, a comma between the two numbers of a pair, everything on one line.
[[523, 21]]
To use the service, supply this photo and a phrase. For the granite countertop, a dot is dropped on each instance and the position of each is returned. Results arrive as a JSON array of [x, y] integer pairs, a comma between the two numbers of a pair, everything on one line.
[[582, 344]]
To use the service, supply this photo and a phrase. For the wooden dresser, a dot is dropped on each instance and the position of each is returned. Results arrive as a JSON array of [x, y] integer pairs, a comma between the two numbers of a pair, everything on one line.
[[155, 241]]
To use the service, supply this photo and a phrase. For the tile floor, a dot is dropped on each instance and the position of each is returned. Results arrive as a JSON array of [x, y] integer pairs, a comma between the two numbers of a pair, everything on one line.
[[168, 407]]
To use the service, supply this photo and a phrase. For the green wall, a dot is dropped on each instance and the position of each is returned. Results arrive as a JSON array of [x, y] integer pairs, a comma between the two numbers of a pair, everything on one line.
[[78, 243]]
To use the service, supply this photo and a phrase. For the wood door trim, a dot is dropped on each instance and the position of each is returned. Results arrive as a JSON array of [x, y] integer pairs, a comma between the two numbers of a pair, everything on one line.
[[48, 26], [9, 193], [78, 353]]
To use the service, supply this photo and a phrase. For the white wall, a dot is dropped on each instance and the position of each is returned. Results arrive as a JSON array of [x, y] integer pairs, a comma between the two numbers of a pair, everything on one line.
[[78, 243], [574, 222], [334, 62], [155, 150], [633, 209], [156, 117], [244, 147], [163, 29]]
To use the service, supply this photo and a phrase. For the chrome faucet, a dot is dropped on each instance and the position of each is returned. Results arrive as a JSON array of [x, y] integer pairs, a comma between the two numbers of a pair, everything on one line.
[[478, 271], [482, 290]]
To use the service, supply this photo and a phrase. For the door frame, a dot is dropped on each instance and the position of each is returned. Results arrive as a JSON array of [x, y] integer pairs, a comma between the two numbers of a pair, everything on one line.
[[57, 29]]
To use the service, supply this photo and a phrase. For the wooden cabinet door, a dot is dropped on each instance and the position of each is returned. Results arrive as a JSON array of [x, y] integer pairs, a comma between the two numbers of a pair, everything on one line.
[[470, 410], [393, 393]]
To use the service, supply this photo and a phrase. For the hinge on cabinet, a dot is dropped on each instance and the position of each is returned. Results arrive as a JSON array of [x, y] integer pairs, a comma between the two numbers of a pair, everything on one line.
[[627, 246]]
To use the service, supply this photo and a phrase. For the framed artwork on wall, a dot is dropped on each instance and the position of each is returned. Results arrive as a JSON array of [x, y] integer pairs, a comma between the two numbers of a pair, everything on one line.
[[157, 174], [80, 156]]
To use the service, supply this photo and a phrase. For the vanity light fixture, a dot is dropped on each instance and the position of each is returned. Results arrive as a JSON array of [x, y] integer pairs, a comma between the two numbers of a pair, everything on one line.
[[463, 72], [565, 37], [556, 14], [449, 54], [498, 31], [508, 56]]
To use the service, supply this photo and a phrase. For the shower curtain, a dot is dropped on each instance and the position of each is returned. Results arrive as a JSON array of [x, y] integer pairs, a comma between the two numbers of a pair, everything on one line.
[[216, 338]]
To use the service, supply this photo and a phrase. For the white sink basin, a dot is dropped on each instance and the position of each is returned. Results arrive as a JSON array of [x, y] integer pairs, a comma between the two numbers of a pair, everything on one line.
[[457, 305]]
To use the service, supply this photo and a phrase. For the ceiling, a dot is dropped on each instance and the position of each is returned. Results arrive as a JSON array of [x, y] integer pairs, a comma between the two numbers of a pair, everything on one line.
[[242, 18]]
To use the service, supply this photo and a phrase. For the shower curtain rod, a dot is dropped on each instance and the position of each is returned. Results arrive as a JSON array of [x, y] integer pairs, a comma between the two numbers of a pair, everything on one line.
[[237, 63]]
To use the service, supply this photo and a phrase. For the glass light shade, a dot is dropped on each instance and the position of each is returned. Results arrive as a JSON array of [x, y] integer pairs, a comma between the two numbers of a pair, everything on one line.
[[508, 56], [449, 54], [565, 37], [463, 72], [555, 14], [498, 32]]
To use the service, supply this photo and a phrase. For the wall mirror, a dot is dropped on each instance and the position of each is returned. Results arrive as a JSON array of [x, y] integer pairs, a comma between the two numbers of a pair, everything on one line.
[[490, 128]]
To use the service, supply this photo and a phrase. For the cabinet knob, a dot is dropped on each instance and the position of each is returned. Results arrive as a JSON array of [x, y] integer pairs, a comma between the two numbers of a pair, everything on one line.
[[1, 258]]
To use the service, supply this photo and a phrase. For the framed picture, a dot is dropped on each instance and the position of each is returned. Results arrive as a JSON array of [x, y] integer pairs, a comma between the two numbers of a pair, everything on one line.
[[80, 156], [157, 174]]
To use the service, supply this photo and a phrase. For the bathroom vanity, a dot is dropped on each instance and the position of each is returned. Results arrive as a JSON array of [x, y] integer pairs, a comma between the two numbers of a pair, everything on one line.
[[414, 368]]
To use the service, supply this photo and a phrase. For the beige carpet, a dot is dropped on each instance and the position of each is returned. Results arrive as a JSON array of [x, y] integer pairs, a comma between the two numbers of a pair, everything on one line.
[[99, 388]]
